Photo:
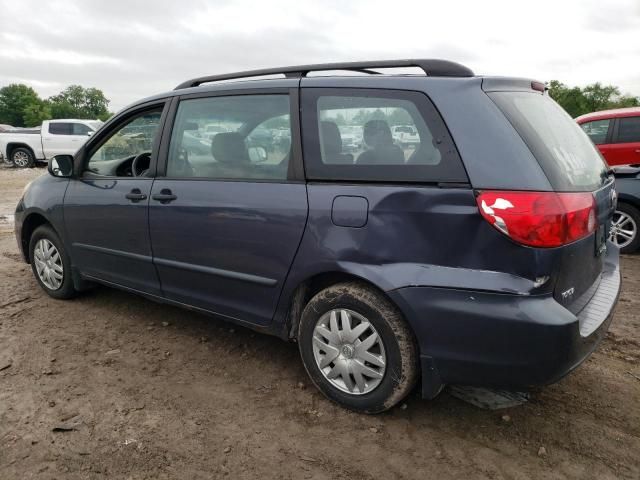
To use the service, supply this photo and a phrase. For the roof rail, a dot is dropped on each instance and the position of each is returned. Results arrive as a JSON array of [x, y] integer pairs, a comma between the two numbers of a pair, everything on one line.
[[431, 68]]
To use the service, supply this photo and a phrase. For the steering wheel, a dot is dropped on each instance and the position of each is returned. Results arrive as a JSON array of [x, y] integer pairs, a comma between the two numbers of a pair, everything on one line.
[[143, 169]]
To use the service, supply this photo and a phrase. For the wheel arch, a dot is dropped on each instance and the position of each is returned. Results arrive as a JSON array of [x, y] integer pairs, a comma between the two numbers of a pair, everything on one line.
[[310, 286], [629, 200], [14, 145], [32, 221]]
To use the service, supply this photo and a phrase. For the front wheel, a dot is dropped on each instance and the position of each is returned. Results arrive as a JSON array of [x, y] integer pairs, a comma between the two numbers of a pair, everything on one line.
[[23, 158], [357, 348], [50, 264], [624, 228]]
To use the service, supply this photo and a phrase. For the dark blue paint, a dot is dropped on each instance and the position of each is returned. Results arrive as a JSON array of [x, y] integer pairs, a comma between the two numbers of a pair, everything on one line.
[[251, 231], [98, 214], [242, 249], [349, 211]]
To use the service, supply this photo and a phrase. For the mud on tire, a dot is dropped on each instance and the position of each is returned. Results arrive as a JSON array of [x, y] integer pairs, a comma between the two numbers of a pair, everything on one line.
[[400, 350]]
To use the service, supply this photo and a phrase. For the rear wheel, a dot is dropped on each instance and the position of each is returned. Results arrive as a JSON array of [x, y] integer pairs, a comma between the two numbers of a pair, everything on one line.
[[624, 228], [22, 157], [357, 348], [50, 264], [6, 159]]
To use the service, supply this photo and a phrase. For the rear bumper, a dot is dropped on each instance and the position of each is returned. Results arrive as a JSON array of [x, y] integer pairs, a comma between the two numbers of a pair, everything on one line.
[[502, 340]]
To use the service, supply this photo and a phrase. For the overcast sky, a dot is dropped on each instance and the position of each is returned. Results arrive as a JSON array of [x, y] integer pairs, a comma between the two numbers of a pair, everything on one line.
[[133, 48]]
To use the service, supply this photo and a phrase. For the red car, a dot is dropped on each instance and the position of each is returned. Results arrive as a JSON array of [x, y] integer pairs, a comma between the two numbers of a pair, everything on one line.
[[616, 134]]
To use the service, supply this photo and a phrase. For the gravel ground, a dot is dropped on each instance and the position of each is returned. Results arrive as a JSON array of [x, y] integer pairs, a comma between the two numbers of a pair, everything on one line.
[[110, 385]]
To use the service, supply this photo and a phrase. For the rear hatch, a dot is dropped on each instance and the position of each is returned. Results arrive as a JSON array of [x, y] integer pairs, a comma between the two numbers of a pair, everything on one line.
[[583, 192]]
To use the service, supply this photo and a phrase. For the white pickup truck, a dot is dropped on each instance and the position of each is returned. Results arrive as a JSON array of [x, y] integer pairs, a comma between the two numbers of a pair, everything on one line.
[[23, 148]]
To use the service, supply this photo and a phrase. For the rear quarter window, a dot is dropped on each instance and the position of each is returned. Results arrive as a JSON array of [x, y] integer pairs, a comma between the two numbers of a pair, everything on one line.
[[628, 130], [378, 136], [565, 153]]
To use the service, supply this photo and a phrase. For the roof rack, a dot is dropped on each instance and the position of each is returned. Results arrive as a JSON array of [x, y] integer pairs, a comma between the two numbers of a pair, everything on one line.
[[431, 68]]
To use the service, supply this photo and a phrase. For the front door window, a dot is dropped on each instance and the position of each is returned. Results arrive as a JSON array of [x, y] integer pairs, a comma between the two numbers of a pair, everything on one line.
[[127, 152]]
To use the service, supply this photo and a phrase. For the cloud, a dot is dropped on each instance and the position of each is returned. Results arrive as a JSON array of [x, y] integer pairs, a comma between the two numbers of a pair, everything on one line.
[[132, 49]]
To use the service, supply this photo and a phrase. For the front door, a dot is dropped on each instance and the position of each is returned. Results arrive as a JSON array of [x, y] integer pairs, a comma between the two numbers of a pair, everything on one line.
[[106, 210], [227, 218]]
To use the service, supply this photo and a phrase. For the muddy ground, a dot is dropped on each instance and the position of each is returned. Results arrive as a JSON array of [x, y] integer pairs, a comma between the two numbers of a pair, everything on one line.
[[149, 391]]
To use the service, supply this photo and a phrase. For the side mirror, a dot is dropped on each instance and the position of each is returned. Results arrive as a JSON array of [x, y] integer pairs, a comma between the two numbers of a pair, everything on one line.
[[61, 166], [90, 132], [257, 154]]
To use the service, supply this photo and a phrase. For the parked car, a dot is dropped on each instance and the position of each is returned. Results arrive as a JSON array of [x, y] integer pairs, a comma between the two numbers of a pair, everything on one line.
[[626, 218], [616, 133], [212, 130], [24, 147], [405, 135], [352, 139], [481, 259]]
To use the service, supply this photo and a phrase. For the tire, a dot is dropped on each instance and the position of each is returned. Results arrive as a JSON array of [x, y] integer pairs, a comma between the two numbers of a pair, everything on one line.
[[392, 382], [23, 158], [630, 216], [44, 235]]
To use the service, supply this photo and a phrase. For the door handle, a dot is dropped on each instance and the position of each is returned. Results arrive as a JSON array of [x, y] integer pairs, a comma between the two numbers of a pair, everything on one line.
[[638, 150], [165, 196], [136, 195]]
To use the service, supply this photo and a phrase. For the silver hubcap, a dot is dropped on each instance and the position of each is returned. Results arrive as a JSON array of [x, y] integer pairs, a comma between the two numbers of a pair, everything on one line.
[[623, 229], [21, 159], [48, 264], [348, 351]]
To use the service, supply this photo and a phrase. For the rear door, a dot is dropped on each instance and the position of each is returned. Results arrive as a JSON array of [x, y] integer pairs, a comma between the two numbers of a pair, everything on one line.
[[625, 147], [227, 215]]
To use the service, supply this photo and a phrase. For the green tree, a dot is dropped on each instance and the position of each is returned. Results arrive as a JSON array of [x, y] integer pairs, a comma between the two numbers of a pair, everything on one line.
[[21, 106], [571, 99], [599, 97], [592, 98], [37, 112], [76, 101]]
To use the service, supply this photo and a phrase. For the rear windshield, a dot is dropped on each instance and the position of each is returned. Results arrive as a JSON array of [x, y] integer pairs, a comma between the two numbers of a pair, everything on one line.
[[566, 154]]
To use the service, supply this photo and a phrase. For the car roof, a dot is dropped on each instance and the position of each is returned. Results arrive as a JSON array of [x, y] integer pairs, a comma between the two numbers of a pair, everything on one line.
[[613, 113], [59, 120]]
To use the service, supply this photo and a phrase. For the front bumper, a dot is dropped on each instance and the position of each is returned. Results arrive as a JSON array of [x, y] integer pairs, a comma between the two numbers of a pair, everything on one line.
[[500, 340], [18, 220]]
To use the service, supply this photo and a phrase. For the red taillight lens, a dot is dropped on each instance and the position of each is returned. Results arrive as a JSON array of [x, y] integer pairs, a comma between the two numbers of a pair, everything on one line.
[[540, 219]]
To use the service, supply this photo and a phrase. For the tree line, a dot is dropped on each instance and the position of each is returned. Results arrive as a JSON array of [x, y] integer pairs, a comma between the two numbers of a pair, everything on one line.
[[21, 106], [592, 98]]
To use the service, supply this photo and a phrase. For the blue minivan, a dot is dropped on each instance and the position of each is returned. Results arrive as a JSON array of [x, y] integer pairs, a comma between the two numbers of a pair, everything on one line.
[[476, 254]]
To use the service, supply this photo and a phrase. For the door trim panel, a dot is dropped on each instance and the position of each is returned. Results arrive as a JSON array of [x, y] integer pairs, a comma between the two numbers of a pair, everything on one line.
[[247, 277], [110, 251]]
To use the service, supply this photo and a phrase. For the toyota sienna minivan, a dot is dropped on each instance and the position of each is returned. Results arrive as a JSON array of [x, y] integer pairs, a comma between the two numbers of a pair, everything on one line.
[[475, 255]]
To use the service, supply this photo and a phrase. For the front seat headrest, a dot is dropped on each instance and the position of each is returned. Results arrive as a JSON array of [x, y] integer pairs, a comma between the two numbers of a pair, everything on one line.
[[229, 148], [331, 138]]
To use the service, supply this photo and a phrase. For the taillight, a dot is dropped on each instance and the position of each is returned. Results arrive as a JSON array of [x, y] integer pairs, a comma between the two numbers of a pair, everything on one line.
[[540, 219]]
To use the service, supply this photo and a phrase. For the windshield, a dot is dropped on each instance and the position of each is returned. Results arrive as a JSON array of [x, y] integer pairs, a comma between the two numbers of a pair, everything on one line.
[[569, 159]]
